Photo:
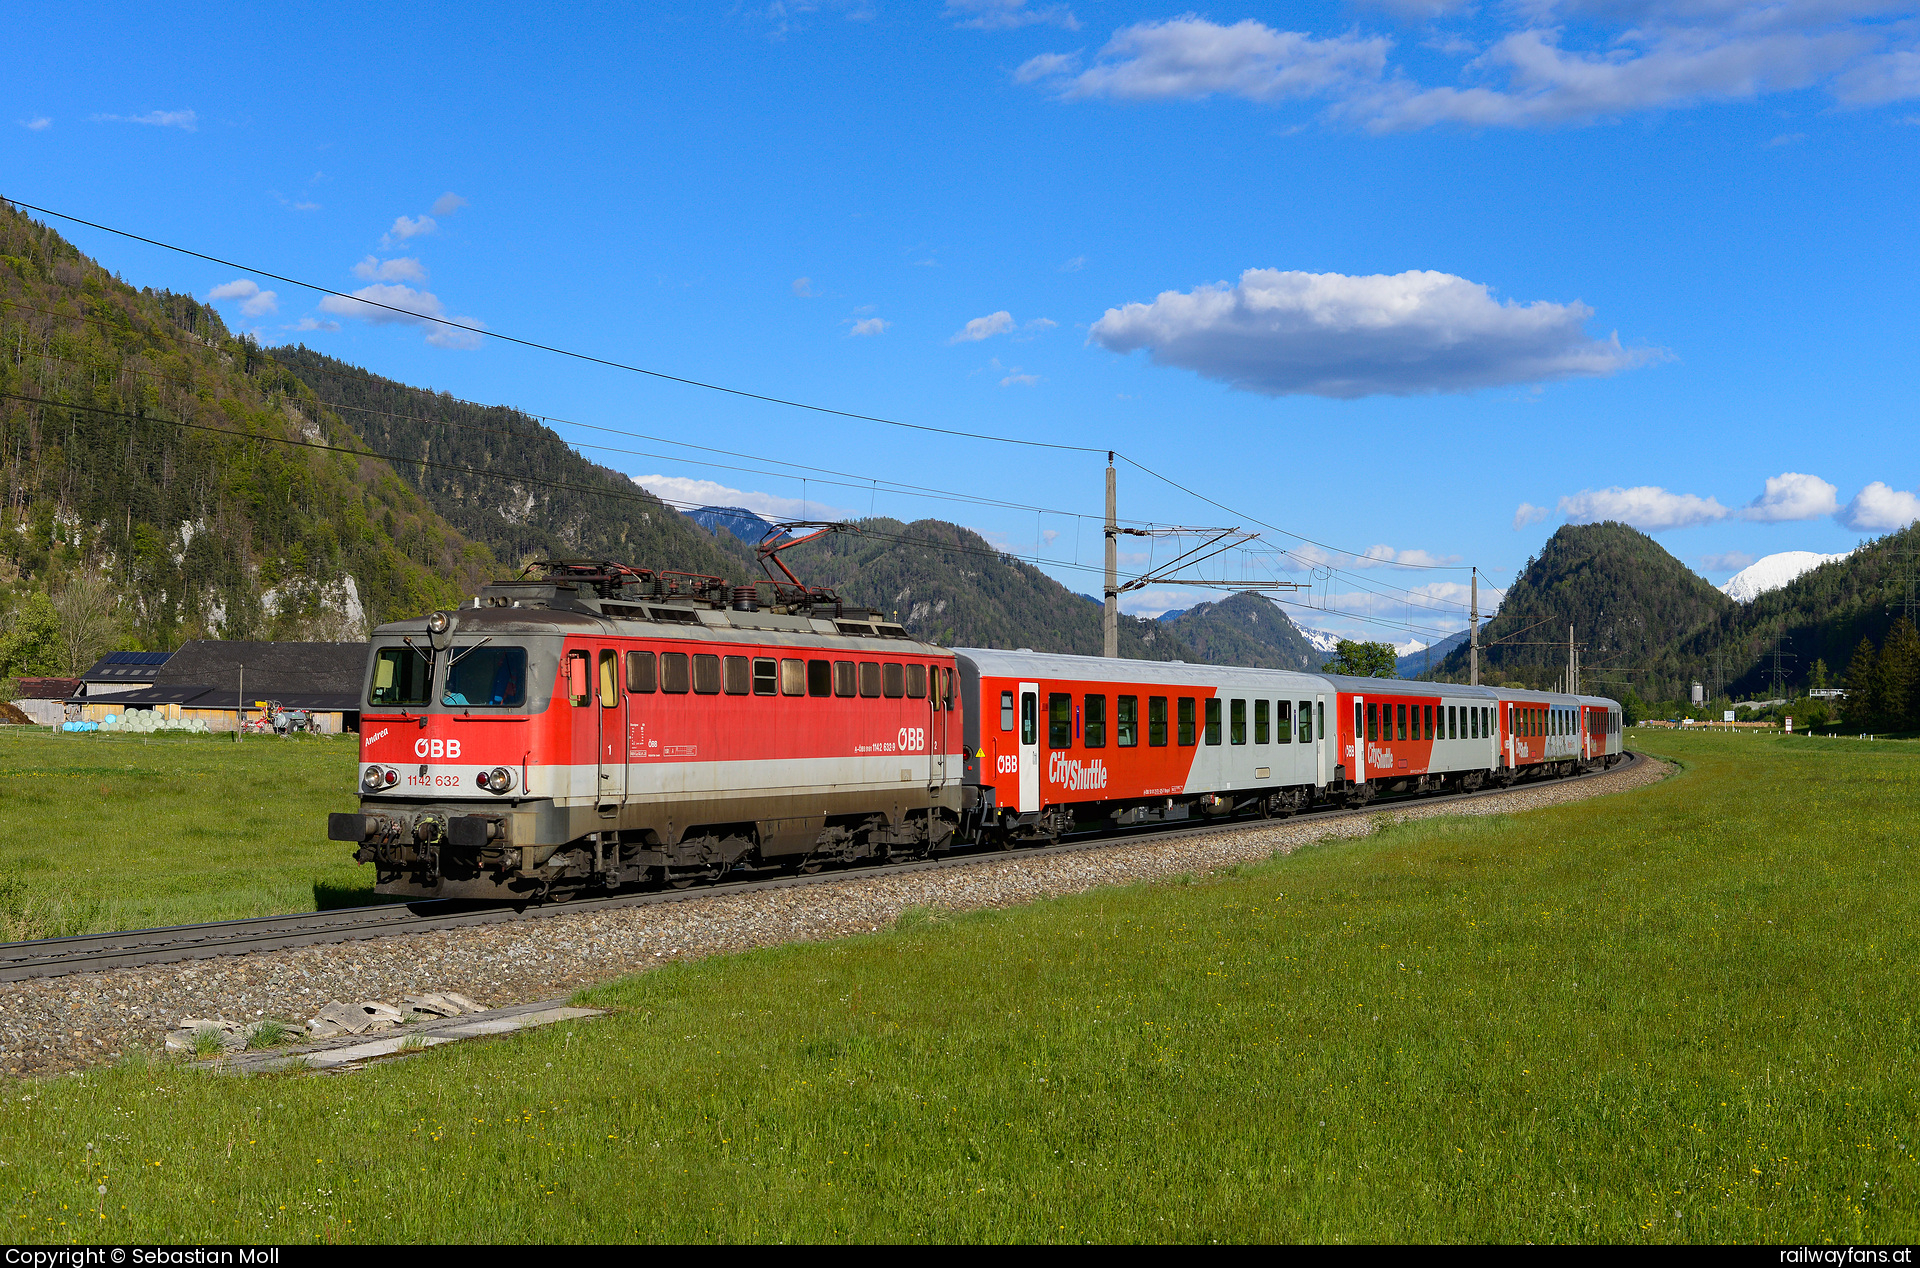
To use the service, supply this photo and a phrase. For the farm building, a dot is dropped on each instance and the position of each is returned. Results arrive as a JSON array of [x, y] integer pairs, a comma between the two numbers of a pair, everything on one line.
[[118, 672], [225, 683], [44, 700]]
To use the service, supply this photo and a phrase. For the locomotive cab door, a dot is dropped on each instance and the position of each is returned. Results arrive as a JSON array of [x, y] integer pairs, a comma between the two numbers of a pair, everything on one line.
[[611, 714], [1029, 747], [939, 711]]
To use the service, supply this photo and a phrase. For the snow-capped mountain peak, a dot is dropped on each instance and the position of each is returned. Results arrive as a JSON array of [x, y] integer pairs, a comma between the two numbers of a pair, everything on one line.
[[1773, 572]]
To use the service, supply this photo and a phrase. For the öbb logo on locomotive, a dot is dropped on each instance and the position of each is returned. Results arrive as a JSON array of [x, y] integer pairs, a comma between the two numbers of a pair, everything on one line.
[[616, 726]]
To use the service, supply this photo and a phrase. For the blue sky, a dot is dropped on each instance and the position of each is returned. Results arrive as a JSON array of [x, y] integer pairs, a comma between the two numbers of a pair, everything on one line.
[[1414, 281]]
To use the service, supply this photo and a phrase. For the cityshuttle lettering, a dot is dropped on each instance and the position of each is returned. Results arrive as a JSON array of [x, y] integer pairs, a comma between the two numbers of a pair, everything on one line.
[[1074, 775]]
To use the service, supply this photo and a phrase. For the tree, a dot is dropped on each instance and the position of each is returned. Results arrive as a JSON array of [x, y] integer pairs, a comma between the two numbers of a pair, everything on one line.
[[1899, 675], [31, 645], [1817, 676], [1362, 660], [89, 623], [1863, 704]]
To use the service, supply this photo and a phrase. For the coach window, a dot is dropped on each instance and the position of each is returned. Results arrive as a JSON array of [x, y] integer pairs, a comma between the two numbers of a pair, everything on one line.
[[1006, 711], [893, 680], [1307, 709], [1156, 721], [1184, 721], [1059, 720], [793, 677], [1213, 720], [735, 672], [1126, 722], [1401, 731], [766, 676], [1237, 722], [1453, 722], [609, 679], [706, 674], [844, 678], [820, 677], [577, 673], [1095, 729], [674, 676], [1373, 721], [640, 668], [1472, 723], [917, 684], [1260, 727], [1282, 721]]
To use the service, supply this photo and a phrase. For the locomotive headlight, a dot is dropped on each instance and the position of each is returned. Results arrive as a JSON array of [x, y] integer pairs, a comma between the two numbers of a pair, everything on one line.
[[371, 780], [437, 623], [499, 779]]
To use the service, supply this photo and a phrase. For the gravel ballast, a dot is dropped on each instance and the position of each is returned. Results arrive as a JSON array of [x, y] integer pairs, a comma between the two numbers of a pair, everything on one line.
[[51, 1025]]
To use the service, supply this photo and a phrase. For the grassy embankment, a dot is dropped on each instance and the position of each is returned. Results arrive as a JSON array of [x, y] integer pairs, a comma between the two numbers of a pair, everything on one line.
[[102, 832], [1681, 1014]]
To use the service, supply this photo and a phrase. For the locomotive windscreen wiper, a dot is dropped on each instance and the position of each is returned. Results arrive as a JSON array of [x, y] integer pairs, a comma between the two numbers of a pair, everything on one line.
[[466, 651]]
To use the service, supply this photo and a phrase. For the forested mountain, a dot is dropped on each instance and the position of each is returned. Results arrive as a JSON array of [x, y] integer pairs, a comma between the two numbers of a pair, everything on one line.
[[1245, 629], [147, 451], [506, 479]]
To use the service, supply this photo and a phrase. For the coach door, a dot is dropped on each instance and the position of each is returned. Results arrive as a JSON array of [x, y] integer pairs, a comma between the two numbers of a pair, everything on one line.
[[611, 709], [1320, 744], [1029, 747], [1357, 769]]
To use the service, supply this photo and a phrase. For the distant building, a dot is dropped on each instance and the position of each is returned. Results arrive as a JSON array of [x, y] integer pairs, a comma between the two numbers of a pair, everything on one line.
[[45, 699], [223, 683], [117, 672], [1698, 695]]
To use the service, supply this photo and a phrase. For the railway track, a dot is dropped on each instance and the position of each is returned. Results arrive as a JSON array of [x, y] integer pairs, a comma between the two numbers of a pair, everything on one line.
[[92, 953]]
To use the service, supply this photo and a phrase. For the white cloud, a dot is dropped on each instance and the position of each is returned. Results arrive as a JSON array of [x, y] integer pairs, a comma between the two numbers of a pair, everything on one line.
[[1527, 514], [314, 323], [1016, 379], [1038, 326], [1792, 496], [1328, 334], [39, 123], [1647, 508], [868, 326], [1007, 15], [1879, 507], [1308, 555], [1726, 561], [985, 327], [254, 302], [1074, 265], [1045, 66], [689, 495], [1190, 57], [1149, 604], [414, 308], [185, 120], [406, 227], [803, 287], [404, 269], [448, 203], [1893, 76]]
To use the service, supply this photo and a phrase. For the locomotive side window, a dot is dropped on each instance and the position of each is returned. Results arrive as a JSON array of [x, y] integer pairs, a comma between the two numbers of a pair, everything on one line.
[[1156, 721], [1029, 718], [1260, 723], [1059, 720], [674, 674], [706, 674], [893, 680], [793, 677], [1095, 731], [486, 675], [1237, 722], [737, 675], [1006, 711], [640, 670], [609, 679], [577, 674], [1126, 733], [870, 678], [820, 677], [1184, 721], [917, 684], [401, 676], [766, 676], [1283, 721], [944, 677], [844, 678]]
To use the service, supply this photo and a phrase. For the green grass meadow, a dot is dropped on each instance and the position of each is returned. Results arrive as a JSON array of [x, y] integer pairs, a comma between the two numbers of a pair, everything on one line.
[[1679, 1014], [104, 832]]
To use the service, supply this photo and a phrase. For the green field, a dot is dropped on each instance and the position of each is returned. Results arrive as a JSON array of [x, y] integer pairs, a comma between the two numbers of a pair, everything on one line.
[[102, 832], [1684, 1013]]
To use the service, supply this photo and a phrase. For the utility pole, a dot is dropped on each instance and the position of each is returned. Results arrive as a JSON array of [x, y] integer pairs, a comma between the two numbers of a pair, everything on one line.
[[1110, 620], [1572, 678], [240, 706], [1473, 634]]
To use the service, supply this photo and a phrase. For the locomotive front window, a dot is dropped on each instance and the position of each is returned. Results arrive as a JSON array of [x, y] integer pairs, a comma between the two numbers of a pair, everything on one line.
[[1006, 711], [1096, 722], [674, 676], [820, 677], [640, 672], [893, 680], [1126, 732], [1186, 721], [487, 675], [1059, 720], [917, 684], [401, 676], [1156, 721]]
